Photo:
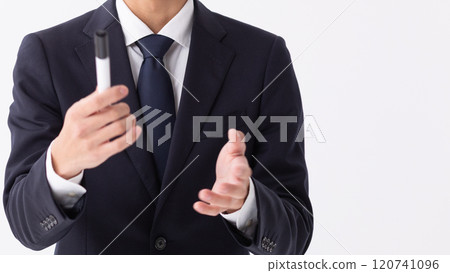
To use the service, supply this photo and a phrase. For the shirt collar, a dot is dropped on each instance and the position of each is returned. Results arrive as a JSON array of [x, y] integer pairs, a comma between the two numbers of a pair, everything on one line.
[[178, 29]]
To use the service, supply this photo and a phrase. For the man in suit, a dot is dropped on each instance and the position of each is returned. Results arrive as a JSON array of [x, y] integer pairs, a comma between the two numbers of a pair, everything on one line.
[[75, 179]]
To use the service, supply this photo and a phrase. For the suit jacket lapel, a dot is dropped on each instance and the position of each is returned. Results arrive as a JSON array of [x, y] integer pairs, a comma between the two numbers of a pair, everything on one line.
[[105, 18], [208, 64]]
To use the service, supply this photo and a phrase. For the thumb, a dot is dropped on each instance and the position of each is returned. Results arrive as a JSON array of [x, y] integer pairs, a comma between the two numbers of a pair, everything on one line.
[[236, 144]]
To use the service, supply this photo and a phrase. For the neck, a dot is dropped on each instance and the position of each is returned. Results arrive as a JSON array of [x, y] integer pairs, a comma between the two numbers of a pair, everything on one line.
[[155, 13]]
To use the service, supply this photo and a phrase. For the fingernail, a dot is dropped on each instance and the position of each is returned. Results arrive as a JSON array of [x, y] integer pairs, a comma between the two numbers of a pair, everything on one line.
[[241, 136], [138, 130], [123, 90]]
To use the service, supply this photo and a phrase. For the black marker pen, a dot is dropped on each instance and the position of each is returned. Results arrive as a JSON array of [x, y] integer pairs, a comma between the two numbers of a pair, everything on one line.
[[102, 60]]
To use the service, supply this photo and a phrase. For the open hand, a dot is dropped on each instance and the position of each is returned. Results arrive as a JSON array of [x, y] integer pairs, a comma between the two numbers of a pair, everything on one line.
[[232, 179]]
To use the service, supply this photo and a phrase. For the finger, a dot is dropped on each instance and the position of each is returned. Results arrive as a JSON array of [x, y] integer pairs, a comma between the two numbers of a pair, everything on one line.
[[219, 200], [205, 209], [234, 190], [235, 135], [240, 169], [97, 101], [121, 143], [236, 144], [107, 115], [115, 129]]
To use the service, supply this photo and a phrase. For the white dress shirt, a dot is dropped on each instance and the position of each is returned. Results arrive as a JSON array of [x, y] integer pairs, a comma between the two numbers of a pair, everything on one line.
[[179, 29]]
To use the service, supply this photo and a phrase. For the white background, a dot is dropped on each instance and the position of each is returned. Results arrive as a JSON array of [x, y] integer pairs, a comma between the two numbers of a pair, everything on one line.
[[378, 84]]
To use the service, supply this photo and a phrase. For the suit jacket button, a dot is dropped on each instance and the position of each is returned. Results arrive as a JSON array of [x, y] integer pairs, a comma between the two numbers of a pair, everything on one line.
[[160, 243]]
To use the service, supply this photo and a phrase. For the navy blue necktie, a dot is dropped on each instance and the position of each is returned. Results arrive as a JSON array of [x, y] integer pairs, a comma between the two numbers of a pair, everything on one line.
[[155, 90]]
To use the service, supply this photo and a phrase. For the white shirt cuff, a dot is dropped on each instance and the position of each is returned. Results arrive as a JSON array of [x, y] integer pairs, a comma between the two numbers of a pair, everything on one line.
[[65, 192], [245, 219]]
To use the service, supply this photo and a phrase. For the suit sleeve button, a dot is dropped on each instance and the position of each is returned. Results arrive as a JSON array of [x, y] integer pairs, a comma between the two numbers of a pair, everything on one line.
[[160, 243]]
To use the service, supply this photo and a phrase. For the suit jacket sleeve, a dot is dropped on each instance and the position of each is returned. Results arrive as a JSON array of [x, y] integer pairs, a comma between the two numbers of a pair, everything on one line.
[[285, 220], [35, 120]]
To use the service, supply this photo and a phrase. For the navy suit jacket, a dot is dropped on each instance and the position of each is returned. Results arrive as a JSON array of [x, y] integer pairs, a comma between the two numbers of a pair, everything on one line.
[[229, 64]]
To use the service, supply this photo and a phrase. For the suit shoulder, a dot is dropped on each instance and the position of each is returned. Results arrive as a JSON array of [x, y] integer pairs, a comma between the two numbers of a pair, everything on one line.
[[64, 32], [245, 32]]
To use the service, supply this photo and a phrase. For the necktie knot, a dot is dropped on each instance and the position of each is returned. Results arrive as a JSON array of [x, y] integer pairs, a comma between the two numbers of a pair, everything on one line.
[[154, 45]]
